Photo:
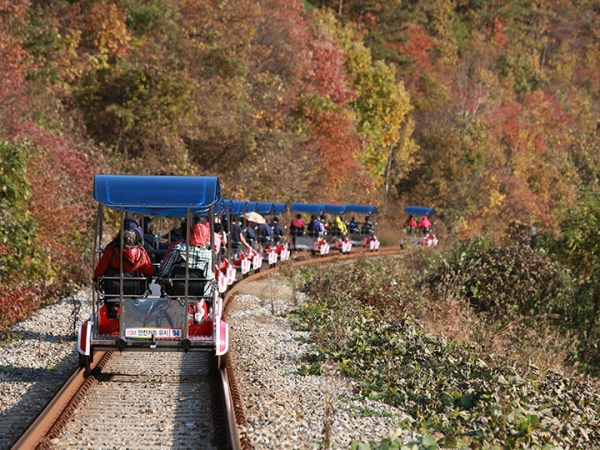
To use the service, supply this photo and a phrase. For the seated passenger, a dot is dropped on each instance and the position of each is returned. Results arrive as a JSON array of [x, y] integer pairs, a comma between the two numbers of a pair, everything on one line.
[[220, 238], [249, 233], [353, 226], [368, 228], [410, 225], [424, 225], [136, 262], [237, 235], [339, 228], [264, 233], [198, 257], [278, 231], [297, 226], [177, 233], [151, 241], [315, 227]]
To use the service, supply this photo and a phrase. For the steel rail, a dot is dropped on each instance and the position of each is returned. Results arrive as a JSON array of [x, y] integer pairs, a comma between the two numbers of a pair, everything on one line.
[[41, 426], [234, 437]]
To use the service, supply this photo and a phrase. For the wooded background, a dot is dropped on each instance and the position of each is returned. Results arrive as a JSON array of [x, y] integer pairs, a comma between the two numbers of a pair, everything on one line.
[[485, 109]]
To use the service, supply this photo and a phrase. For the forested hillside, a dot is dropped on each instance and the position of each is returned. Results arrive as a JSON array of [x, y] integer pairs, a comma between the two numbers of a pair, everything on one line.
[[487, 110]]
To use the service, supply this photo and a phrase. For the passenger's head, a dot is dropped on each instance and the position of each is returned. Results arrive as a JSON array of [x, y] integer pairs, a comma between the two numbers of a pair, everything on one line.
[[130, 238], [312, 217], [218, 227], [148, 225], [298, 216], [199, 235], [367, 218], [133, 224], [275, 219], [353, 218]]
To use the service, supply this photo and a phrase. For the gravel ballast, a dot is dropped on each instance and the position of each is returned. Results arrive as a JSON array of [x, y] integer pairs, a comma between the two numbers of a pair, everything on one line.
[[284, 410]]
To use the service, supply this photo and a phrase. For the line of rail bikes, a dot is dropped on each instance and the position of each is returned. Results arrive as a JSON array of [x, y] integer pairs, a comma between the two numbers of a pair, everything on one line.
[[141, 318]]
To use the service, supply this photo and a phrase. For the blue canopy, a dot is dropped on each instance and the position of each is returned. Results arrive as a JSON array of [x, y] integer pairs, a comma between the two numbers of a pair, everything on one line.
[[159, 195], [308, 208], [361, 209], [238, 207], [335, 209], [419, 210], [263, 208], [279, 208]]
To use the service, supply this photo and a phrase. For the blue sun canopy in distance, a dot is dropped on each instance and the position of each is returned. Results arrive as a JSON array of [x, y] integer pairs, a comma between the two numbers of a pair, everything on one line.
[[279, 208], [160, 195], [419, 210], [335, 209], [361, 209], [308, 208]]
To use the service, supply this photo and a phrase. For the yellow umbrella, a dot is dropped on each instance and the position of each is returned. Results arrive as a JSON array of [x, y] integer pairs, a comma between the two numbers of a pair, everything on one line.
[[255, 217]]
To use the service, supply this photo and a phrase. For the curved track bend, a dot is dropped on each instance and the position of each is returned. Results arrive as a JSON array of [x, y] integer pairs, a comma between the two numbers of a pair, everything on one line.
[[154, 400]]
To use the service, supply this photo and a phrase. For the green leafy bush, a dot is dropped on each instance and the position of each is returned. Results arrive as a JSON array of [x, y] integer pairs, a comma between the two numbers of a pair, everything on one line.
[[461, 393], [503, 282]]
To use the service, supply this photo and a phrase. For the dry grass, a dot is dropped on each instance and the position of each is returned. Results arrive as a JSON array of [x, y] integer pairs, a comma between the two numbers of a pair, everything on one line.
[[543, 347]]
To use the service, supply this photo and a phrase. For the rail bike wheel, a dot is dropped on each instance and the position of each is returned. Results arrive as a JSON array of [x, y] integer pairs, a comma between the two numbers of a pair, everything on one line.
[[85, 361]]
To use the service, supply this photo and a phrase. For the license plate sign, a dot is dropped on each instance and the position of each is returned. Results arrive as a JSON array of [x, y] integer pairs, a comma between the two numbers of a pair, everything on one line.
[[146, 333]]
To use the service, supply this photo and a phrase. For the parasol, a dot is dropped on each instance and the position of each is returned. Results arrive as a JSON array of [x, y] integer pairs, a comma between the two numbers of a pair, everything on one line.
[[254, 217]]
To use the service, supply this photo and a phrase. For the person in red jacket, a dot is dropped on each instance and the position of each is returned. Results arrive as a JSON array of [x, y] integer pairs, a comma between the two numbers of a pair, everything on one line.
[[410, 225], [135, 257], [136, 261], [424, 225]]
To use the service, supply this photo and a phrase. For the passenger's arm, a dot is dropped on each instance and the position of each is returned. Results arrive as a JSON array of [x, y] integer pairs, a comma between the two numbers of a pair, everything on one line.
[[243, 240], [103, 263]]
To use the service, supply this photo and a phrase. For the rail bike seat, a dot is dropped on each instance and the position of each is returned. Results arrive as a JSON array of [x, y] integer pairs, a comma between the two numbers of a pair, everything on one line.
[[297, 232], [264, 240], [110, 284], [198, 283]]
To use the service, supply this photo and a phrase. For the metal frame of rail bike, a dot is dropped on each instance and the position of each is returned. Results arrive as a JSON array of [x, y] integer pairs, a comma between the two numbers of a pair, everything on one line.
[[339, 240], [309, 240], [417, 236], [369, 241], [186, 318]]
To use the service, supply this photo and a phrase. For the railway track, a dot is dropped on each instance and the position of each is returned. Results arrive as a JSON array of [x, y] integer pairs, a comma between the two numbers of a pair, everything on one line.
[[154, 400]]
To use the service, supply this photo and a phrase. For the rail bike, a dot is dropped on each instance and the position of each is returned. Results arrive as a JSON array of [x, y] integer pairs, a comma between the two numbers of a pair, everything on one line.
[[131, 312], [366, 234], [419, 233], [310, 239], [338, 232]]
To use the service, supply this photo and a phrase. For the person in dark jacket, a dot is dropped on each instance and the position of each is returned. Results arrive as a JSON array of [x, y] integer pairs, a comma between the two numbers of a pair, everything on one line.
[[278, 231], [151, 241], [353, 226]]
